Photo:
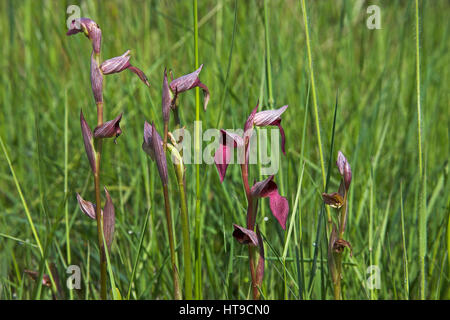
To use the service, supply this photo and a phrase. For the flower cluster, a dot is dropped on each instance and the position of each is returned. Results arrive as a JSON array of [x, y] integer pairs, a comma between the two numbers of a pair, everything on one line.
[[263, 189]]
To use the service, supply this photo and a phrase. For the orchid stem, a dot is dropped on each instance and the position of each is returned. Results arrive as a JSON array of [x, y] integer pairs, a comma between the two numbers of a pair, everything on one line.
[[186, 241], [176, 281], [98, 208]]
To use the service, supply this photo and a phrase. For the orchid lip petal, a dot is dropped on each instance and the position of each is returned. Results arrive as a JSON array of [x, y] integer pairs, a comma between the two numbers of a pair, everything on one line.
[[140, 74], [334, 200], [278, 204], [222, 159], [205, 94], [222, 156]]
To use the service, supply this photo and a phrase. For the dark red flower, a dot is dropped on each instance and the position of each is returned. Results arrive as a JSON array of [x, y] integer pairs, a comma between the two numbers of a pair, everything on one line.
[[278, 204]]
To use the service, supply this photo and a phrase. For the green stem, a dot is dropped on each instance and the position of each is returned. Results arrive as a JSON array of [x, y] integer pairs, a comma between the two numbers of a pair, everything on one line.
[[98, 209], [176, 281], [337, 278], [186, 241], [422, 211], [198, 261], [268, 66], [252, 262], [66, 179], [179, 170]]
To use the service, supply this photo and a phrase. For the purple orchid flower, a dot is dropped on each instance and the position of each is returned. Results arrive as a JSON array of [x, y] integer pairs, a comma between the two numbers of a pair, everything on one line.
[[90, 28], [120, 63], [189, 81], [230, 140], [109, 129]]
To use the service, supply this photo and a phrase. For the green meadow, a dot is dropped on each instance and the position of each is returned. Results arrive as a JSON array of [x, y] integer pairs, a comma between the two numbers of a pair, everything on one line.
[[381, 96]]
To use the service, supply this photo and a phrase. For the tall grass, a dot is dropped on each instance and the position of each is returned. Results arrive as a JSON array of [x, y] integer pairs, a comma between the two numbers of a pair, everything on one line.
[[379, 96]]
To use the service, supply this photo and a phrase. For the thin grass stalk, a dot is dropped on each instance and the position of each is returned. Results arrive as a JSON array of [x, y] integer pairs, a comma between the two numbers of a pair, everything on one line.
[[66, 181], [141, 241], [198, 261], [316, 109], [270, 100], [405, 256], [422, 201]]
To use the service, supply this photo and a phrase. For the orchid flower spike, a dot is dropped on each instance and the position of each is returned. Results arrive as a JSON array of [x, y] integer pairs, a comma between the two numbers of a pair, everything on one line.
[[188, 82], [90, 28], [120, 63]]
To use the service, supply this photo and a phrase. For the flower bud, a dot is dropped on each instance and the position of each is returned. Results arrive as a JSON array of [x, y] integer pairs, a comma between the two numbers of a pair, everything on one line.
[[347, 175], [109, 220], [88, 142], [87, 207], [96, 80], [341, 160], [166, 99]]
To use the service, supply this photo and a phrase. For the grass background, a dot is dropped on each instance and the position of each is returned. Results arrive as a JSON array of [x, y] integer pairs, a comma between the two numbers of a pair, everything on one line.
[[45, 80]]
